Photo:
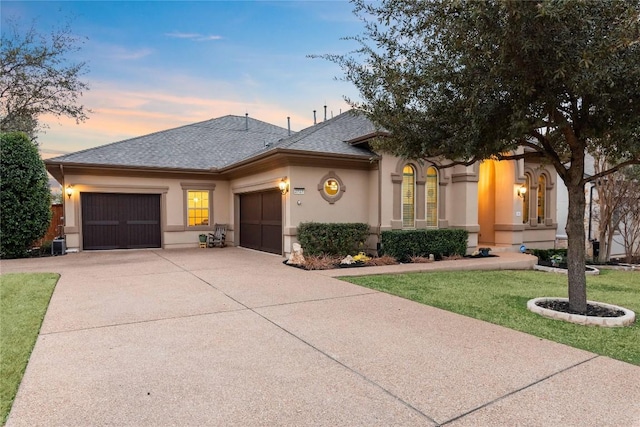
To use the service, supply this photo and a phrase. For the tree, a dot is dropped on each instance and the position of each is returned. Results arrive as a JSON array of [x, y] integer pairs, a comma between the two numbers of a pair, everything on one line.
[[25, 210], [612, 193], [629, 225], [469, 80], [37, 77]]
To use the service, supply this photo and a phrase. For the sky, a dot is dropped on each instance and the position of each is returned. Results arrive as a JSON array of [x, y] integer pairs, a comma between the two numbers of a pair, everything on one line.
[[161, 64]]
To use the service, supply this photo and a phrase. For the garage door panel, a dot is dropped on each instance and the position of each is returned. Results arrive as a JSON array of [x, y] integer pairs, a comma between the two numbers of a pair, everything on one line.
[[272, 207], [272, 238], [120, 221]]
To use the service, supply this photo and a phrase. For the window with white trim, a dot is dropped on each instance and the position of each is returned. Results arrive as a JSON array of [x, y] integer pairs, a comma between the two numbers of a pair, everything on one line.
[[431, 197], [198, 208], [408, 197]]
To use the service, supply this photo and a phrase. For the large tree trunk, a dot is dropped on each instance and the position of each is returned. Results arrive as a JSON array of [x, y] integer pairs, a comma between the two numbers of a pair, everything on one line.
[[576, 250]]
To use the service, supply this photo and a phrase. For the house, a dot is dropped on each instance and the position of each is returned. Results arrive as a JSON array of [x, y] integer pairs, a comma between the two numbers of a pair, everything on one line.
[[591, 216], [166, 188]]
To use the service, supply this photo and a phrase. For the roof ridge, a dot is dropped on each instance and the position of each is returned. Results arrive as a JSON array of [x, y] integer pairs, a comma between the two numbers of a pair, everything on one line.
[[312, 129], [193, 125]]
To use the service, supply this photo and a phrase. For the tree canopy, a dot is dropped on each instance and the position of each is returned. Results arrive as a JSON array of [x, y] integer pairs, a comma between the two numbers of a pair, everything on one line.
[[38, 76], [469, 80]]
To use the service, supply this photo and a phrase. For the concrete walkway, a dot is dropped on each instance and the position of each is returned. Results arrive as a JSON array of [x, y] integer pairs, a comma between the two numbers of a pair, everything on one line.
[[204, 337]]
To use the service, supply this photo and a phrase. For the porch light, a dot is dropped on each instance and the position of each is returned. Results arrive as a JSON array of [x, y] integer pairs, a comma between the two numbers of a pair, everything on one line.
[[522, 191], [69, 191], [284, 186]]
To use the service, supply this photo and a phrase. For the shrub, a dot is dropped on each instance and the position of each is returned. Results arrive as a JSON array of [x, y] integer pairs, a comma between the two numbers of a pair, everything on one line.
[[24, 195], [332, 238], [546, 254], [404, 244]]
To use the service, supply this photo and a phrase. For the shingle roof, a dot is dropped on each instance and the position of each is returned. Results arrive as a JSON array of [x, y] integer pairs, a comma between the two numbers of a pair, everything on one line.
[[222, 142], [214, 143], [331, 136]]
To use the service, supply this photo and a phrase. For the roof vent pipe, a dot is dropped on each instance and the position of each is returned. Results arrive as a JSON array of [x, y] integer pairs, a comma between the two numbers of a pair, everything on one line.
[[314, 117], [325, 113], [246, 121], [289, 125]]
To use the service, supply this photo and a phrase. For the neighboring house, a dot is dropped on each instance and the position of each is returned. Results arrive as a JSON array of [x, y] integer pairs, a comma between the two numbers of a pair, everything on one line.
[[163, 189], [590, 215]]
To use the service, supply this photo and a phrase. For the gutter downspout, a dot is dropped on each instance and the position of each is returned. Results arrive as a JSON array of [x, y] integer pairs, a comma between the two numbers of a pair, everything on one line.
[[379, 205]]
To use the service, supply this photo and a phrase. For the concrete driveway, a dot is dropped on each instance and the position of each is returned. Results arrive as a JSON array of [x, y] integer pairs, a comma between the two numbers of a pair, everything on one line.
[[229, 336]]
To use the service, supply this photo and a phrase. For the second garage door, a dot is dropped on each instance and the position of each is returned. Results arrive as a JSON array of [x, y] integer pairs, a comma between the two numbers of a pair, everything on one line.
[[261, 221], [120, 221]]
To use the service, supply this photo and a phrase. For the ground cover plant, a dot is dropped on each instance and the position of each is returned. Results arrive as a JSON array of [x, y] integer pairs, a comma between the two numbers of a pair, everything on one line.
[[24, 299], [501, 297]]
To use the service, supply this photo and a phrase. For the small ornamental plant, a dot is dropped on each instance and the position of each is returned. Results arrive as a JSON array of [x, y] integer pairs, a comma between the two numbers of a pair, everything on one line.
[[361, 257], [556, 259]]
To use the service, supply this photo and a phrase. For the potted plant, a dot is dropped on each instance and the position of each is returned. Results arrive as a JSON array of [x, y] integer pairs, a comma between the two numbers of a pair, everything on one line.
[[203, 238], [484, 251]]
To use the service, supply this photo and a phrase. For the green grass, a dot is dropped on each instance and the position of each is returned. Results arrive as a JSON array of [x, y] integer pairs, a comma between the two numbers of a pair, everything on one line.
[[501, 297], [23, 302]]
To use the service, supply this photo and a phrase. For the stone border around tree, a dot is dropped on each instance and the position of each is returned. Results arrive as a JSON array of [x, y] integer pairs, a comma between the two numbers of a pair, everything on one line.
[[611, 322], [591, 270]]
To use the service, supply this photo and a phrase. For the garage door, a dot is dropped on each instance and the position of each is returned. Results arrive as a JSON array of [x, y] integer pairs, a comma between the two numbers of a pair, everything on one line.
[[120, 221], [261, 221]]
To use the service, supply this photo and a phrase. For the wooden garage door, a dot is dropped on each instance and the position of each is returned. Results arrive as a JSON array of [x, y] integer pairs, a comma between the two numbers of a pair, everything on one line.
[[120, 221], [261, 221]]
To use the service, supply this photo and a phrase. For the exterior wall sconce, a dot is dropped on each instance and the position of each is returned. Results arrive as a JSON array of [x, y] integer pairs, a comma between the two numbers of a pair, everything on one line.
[[522, 191], [284, 186], [69, 191]]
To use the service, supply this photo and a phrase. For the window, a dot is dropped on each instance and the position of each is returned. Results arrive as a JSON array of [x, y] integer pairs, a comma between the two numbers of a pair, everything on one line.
[[525, 199], [197, 208], [432, 197], [408, 197], [331, 187], [542, 189]]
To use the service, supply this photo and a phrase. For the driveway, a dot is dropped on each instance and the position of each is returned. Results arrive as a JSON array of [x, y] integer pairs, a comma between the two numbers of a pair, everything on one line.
[[201, 337]]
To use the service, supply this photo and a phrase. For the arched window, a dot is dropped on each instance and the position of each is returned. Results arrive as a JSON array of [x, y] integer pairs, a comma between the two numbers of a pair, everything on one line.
[[432, 197], [542, 190], [525, 199], [408, 197]]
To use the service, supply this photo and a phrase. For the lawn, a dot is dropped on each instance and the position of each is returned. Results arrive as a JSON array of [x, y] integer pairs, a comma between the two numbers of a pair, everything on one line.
[[501, 297], [23, 302]]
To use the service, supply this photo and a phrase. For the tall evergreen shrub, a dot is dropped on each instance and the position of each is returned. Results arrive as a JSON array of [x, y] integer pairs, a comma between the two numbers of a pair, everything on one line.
[[25, 198]]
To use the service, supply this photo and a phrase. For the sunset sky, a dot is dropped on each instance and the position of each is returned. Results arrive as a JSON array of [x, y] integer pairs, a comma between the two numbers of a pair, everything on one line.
[[157, 65]]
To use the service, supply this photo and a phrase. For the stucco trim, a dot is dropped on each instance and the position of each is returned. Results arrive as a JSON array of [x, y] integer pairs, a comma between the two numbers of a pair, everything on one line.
[[106, 188], [267, 184], [464, 177], [508, 227], [198, 185], [469, 228]]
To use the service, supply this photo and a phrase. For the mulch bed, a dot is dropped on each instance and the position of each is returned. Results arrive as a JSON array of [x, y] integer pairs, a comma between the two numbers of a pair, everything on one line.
[[592, 310]]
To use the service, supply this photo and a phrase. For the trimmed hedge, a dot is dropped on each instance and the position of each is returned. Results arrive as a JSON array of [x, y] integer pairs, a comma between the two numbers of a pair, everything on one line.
[[332, 238], [403, 244]]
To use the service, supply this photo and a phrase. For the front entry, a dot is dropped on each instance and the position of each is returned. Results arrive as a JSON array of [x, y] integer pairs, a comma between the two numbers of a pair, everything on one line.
[[487, 202], [261, 221]]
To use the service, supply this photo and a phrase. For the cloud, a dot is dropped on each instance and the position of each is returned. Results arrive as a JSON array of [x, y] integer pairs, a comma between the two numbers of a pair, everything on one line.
[[193, 36]]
